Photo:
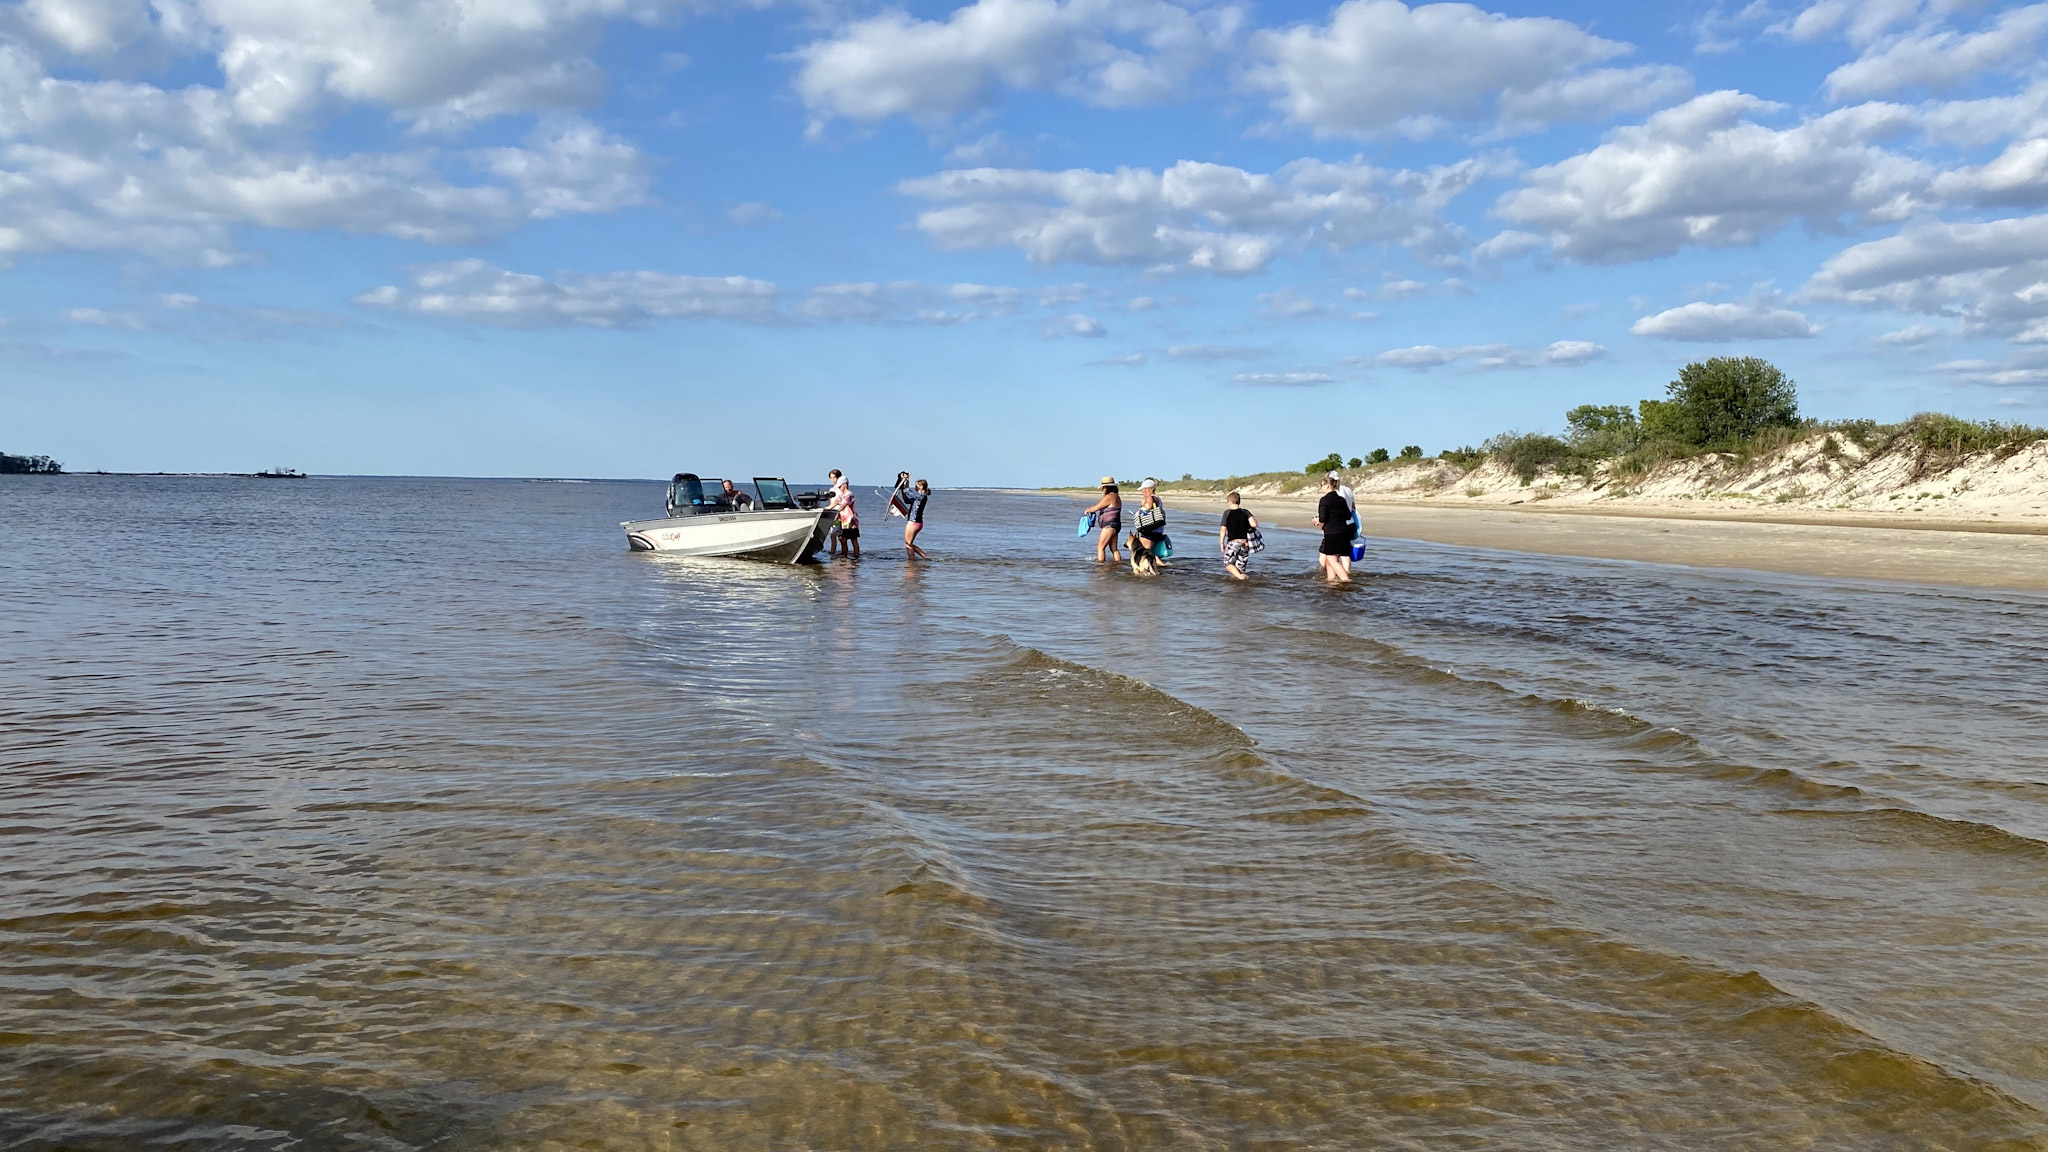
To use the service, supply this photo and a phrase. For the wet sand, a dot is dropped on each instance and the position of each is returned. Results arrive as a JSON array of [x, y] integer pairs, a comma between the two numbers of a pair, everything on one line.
[[1986, 555]]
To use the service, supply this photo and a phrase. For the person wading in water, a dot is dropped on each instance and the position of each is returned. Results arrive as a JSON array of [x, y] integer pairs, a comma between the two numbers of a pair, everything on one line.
[[1109, 519]]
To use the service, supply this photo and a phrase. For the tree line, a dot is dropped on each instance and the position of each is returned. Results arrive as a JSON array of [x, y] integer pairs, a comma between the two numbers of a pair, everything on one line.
[[1738, 404], [16, 465]]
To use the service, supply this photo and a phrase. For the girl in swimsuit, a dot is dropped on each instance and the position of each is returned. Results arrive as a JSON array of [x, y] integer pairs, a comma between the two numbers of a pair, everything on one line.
[[913, 507], [1109, 517]]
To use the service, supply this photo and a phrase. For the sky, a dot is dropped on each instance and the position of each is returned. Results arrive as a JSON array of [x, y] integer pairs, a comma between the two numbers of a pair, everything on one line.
[[1015, 242]]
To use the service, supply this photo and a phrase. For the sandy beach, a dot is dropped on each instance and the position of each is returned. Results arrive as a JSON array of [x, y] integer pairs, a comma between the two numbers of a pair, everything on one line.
[[1965, 554]]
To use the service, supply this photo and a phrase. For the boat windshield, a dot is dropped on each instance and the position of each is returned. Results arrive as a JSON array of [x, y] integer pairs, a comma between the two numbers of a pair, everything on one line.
[[691, 494], [774, 492]]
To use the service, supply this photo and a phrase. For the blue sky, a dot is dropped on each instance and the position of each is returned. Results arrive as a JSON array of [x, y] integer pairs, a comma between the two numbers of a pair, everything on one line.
[[1011, 242]]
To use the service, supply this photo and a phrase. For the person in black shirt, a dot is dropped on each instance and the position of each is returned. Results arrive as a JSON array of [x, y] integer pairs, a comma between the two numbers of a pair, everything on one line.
[[914, 501], [1333, 516], [1235, 535]]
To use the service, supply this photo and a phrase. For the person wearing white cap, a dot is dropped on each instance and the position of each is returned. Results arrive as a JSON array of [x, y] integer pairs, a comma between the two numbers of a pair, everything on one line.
[[1149, 529], [1108, 514]]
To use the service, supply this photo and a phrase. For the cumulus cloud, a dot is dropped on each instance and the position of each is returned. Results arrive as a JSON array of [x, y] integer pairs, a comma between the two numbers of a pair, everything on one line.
[[1936, 57], [753, 214], [1380, 66], [103, 318], [2017, 177], [1992, 276], [1506, 245], [435, 63], [1193, 216], [909, 302], [477, 292], [1110, 53], [1913, 336], [1214, 352], [1720, 322], [1706, 174], [1281, 379], [1078, 324], [1486, 357], [1287, 304], [107, 165]]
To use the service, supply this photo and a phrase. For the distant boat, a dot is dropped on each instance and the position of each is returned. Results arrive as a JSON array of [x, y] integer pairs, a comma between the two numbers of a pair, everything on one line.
[[281, 474], [780, 526]]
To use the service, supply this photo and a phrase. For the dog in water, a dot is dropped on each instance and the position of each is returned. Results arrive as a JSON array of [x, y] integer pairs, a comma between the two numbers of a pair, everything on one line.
[[1143, 562]]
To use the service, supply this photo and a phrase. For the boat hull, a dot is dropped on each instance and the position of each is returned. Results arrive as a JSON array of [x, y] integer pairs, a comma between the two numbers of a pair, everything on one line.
[[782, 536]]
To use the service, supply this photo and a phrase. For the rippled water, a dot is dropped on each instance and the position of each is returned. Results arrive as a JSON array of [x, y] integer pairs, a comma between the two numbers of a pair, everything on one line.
[[395, 814]]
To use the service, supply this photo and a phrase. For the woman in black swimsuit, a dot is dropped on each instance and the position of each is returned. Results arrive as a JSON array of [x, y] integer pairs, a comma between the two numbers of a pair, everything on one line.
[[1333, 516], [1109, 518]]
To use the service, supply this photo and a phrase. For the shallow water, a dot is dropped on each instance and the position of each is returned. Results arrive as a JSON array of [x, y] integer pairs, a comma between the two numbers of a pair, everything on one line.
[[391, 814]]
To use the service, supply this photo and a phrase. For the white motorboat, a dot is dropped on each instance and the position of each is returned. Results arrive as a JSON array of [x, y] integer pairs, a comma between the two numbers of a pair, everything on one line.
[[704, 520]]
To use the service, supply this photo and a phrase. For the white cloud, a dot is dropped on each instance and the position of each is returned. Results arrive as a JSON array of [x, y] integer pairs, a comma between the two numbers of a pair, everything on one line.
[[1506, 245], [1060, 295], [909, 302], [1281, 379], [1485, 357], [2017, 177], [1128, 360], [1287, 304], [1142, 304], [1379, 66], [1992, 276], [1913, 336], [1214, 352], [1701, 321], [753, 214], [102, 318], [1110, 53], [476, 292], [435, 63], [1706, 174], [1402, 289], [108, 165], [1571, 353], [1078, 324], [1193, 216], [1935, 57]]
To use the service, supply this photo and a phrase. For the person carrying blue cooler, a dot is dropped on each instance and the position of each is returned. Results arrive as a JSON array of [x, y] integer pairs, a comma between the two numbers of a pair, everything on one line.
[[1149, 543], [1337, 523]]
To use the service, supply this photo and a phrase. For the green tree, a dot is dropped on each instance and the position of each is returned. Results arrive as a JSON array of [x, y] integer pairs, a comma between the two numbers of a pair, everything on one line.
[[1726, 401], [1412, 452], [1526, 452], [1357, 463], [1667, 420], [1329, 463], [1376, 456], [1603, 429]]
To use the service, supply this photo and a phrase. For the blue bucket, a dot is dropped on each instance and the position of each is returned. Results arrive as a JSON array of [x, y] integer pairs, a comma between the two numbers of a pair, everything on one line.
[[1357, 550]]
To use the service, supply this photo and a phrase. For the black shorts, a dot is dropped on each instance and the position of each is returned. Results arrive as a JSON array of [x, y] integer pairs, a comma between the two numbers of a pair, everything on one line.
[[1335, 546], [849, 531]]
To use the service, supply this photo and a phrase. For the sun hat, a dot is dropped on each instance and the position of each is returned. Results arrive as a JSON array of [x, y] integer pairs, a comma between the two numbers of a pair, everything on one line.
[[1107, 480], [1334, 475], [1149, 483]]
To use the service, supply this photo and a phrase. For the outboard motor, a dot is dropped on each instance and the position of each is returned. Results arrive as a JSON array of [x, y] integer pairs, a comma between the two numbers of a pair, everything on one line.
[[687, 491]]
